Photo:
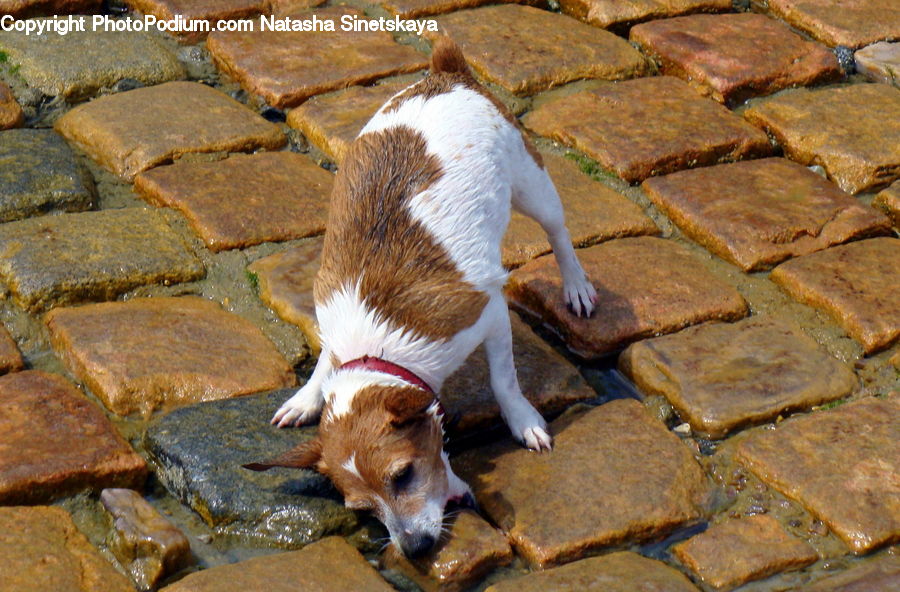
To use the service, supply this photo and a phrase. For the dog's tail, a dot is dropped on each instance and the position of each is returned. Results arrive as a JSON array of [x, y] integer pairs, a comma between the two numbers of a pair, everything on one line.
[[446, 56]]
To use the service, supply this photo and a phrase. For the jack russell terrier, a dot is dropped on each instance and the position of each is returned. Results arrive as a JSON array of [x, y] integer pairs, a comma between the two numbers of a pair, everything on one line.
[[410, 284]]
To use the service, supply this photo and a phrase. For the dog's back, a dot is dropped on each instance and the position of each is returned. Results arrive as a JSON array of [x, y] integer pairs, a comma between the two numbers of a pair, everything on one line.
[[421, 203]]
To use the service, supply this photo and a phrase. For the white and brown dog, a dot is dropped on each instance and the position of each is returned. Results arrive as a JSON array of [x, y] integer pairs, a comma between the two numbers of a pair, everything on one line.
[[410, 284]]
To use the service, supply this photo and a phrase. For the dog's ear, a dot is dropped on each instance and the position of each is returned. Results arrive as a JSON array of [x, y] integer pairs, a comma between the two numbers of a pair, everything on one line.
[[304, 456], [406, 404]]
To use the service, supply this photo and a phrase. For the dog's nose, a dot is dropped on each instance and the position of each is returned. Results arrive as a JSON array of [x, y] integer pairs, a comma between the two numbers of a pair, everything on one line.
[[418, 545]]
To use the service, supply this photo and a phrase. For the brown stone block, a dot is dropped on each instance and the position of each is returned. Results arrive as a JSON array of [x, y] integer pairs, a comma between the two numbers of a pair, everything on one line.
[[418, 8], [889, 202], [855, 283], [10, 358], [852, 131], [286, 286], [841, 464], [735, 552], [470, 550], [836, 22], [615, 572], [42, 550], [719, 54], [526, 50], [645, 287], [31, 8], [330, 564], [287, 68], [547, 379], [159, 353], [285, 7], [617, 15], [133, 131], [878, 575], [54, 442], [331, 122], [10, 112], [211, 11], [616, 475], [758, 213], [594, 213], [722, 376], [147, 545], [69, 258], [879, 62], [646, 127], [244, 200]]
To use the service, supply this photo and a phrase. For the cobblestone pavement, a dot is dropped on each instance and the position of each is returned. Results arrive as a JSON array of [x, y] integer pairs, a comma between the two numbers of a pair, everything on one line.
[[728, 419]]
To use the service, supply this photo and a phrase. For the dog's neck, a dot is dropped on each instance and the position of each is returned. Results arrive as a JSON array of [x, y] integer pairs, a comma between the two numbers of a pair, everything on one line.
[[390, 368]]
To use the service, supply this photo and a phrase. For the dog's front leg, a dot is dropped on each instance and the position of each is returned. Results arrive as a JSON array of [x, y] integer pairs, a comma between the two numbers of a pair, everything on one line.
[[524, 421], [306, 404]]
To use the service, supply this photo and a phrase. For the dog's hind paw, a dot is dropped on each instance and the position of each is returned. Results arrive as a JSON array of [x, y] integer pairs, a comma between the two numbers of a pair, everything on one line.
[[536, 438], [580, 297], [301, 409]]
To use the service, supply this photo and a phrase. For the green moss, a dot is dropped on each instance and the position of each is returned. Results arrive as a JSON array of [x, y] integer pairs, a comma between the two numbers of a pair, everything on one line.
[[833, 404], [4, 57], [590, 167], [253, 280]]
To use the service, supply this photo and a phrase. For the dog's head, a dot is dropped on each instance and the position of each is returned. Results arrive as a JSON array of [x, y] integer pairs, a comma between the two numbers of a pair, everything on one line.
[[384, 453]]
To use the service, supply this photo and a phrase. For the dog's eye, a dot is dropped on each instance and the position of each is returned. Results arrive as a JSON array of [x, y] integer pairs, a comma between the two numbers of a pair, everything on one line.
[[402, 478]]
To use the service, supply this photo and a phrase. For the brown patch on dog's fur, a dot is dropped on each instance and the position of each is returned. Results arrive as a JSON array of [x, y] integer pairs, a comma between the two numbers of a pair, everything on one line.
[[403, 273], [448, 70]]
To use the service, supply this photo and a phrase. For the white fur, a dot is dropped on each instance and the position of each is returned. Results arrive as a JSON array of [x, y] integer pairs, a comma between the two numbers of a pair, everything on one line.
[[349, 465]]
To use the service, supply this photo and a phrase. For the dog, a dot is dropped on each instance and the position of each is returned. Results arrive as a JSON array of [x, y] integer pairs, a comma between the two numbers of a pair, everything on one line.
[[410, 284]]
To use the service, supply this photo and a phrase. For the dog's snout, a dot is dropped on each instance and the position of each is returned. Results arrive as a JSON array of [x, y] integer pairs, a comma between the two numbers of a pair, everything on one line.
[[415, 546]]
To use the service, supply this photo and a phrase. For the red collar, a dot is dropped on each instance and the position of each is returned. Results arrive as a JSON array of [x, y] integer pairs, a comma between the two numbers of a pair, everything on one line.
[[379, 365]]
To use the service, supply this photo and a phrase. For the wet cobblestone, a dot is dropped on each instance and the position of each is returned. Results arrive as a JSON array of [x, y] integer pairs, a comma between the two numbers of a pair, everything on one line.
[[756, 451]]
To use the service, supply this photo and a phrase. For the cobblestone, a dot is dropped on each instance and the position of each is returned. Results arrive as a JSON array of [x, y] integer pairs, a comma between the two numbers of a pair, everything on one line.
[[616, 474], [39, 175], [211, 11], [889, 201], [271, 196], [10, 112], [722, 376], [80, 63], [618, 15], [537, 49], [160, 353], [859, 153], [880, 575], [41, 549], [839, 23], [10, 358], [645, 287], [472, 550], [42, 416], [758, 213], [131, 132], [855, 284], [286, 68], [880, 62], [648, 126], [330, 564], [857, 497], [331, 122], [594, 213], [57, 260], [715, 54], [735, 552]]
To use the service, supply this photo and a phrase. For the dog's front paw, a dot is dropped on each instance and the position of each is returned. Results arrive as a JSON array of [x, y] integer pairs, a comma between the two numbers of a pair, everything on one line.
[[530, 429], [301, 409], [580, 297]]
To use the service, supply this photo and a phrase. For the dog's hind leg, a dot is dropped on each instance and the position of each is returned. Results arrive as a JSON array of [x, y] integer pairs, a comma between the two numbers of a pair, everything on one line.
[[306, 404], [535, 196], [524, 421]]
